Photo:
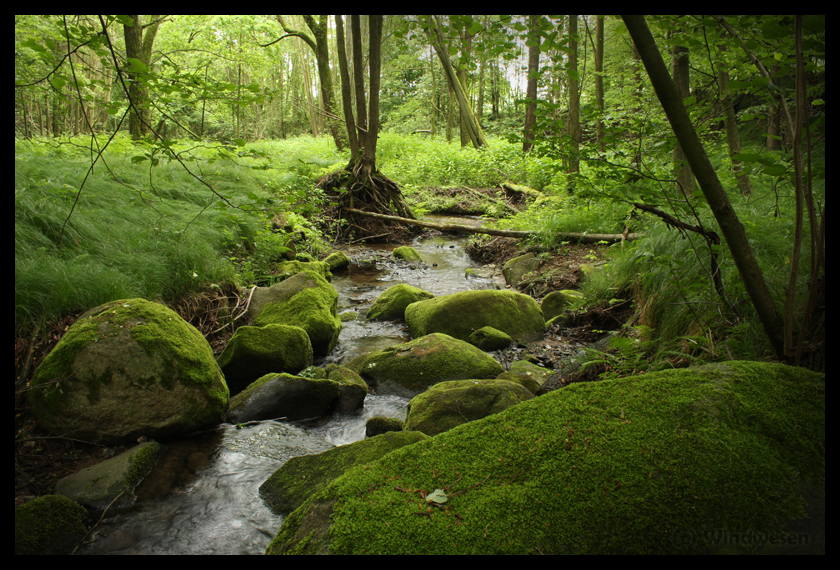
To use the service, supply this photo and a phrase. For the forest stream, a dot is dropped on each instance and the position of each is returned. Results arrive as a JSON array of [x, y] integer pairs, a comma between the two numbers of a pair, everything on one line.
[[202, 497]]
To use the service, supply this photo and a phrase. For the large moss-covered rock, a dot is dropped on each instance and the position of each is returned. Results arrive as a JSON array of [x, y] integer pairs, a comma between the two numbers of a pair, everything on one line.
[[131, 368], [51, 524], [301, 477], [308, 302], [253, 352], [96, 487], [391, 304], [679, 461], [410, 368], [285, 396], [459, 314], [449, 404]]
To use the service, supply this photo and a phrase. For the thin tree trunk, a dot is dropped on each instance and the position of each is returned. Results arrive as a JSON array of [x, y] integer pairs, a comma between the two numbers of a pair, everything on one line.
[[682, 171], [346, 88], [473, 128], [730, 225], [533, 75]]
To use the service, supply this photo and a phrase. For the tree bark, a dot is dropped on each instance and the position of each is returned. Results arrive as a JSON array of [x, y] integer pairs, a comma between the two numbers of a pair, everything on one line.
[[474, 131], [138, 45], [531, 91], [346, 98], [682, 171], [730, 225], [574, 99], [570, 236]]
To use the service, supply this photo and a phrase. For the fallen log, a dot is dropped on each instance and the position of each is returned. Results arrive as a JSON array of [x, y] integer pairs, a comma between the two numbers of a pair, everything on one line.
[[569, 236]]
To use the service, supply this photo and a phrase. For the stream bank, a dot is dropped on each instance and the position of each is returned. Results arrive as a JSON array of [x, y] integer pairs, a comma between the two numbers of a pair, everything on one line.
[[204, 470]]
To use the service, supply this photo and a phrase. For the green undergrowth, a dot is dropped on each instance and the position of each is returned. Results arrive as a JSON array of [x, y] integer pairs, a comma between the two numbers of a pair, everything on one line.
[[137, 231]]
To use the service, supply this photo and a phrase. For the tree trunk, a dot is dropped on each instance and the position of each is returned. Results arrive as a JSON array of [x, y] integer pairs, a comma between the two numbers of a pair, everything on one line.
[[138, 45], [531, 92], [733, 140], [730, 225], [360, 185], [346, 88], [599, 80], [574, 99], [474, 131], [682, 171]]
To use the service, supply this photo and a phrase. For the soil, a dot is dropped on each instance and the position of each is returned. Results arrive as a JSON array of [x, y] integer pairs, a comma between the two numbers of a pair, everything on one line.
[[41, 459]]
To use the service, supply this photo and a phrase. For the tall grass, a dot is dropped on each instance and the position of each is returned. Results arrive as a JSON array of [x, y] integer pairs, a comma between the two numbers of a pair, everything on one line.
[[133, 232]]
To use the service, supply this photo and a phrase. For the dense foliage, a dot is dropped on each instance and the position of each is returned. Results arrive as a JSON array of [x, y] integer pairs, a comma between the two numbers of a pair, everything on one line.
[[187, 205]]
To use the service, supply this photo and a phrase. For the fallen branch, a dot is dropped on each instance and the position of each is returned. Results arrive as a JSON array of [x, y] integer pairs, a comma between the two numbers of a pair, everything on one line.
[[570, 236]]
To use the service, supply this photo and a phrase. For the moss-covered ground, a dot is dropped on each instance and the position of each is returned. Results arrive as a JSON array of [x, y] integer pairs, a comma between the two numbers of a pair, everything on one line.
[[646, 464]]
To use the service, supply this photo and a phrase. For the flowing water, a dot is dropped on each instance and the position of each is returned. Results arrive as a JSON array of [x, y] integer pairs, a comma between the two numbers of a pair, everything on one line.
[[202, 497]]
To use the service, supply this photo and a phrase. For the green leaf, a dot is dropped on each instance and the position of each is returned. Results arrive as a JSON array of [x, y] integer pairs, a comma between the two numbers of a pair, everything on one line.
[[775, 170], [438, 496]]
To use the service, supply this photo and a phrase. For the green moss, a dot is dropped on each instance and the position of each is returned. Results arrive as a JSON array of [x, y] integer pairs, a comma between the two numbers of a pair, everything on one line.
[[645, 464], [426, 361], [392, 302], [301, 477], [407, 253], [291, 268], [313, 309], [143, 341], [51, 524], [459, 314], [450, 404]]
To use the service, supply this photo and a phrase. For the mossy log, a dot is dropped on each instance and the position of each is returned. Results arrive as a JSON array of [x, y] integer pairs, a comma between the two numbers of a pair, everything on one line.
[[568, 236]]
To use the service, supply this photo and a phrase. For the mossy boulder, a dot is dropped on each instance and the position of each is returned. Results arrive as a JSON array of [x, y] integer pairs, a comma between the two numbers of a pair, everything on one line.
[[96, 487], [407, 253], [352, 389], [391, 304], [337, 260], [131, 368], [556, 302], [378, 425], [292, 268], [516, 268], [449, 404], [527, 374], [308, 302], [253, 352], [407, 369], [490, 339], [51, 524], [285, 396], [673, 462], [301, 477], [459, 314]]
